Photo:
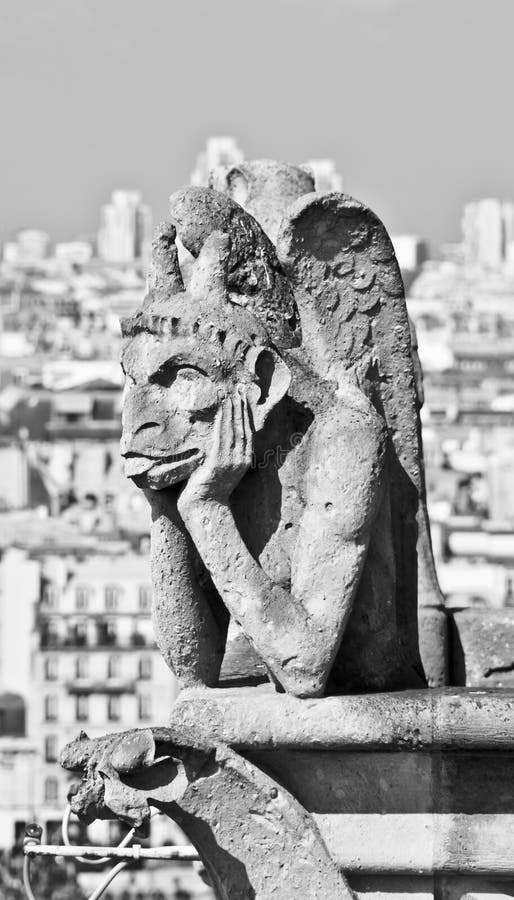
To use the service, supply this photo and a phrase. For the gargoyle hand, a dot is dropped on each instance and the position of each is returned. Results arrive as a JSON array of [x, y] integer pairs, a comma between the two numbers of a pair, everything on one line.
[[229, 458]]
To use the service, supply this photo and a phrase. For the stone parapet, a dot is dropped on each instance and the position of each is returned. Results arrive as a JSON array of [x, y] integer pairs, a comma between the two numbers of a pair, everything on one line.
[[260, 719], [404, 794], [482, 648], [411, 792]]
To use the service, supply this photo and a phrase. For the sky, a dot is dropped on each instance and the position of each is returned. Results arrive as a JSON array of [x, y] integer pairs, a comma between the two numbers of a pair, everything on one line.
[[411, 98]]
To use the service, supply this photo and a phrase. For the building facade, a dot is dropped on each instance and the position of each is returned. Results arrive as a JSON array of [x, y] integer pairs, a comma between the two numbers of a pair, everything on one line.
[[78, 646], [96, 666]]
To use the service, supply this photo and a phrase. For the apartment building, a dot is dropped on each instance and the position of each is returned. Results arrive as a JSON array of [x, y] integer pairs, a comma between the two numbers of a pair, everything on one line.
[[80, 632]]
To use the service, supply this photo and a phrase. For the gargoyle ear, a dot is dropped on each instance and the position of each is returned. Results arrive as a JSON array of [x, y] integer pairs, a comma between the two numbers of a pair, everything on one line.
[[230, 180], [272, 380]]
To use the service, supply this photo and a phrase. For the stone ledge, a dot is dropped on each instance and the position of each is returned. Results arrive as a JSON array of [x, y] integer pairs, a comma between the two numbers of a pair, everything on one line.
[[260, 719], [482, 648]]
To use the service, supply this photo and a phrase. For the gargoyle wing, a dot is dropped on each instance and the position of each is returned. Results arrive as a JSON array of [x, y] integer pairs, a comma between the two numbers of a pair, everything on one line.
[[350, 295]]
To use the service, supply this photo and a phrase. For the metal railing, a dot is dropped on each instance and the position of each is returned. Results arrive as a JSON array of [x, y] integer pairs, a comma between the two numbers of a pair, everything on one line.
[[96, 856]]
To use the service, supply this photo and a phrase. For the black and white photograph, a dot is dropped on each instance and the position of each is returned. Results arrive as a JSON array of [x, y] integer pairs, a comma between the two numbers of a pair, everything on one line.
[[257, 450]]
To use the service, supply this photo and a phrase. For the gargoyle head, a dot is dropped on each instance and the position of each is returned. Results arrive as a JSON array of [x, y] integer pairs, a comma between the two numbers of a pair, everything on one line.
[[120, 772], [186, 350]]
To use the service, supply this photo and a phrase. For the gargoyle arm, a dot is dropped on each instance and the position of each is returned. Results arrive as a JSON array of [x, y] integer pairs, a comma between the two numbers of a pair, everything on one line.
[[297, 634], [190, 627]]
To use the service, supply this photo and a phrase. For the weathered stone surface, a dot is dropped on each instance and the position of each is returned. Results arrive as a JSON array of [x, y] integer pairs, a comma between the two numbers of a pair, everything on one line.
[[254, 277], [483, 648], [458, 887], [354, 318], [421, 844], [258, 719], [255, 840], [437, 803], [265, 188], [285, 483], [288, 500], [433, 644]]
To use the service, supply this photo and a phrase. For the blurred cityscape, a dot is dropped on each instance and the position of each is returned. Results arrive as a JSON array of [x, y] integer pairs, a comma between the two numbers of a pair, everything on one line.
[[76, 644]]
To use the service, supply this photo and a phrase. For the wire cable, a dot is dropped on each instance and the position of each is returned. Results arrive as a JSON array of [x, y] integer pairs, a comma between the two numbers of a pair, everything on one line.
[[82, 859]]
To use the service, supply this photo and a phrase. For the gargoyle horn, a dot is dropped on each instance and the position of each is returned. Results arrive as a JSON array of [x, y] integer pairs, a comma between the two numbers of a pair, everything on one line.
[[165, 277], [210, 272]]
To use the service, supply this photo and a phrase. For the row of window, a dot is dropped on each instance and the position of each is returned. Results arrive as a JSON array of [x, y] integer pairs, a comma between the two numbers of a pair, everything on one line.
[[82, 667], [481, 365], [51, 708], [113, 596], [80, 634]]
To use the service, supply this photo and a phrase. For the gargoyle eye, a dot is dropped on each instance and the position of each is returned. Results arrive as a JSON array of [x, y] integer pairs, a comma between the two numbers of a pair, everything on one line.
[[170, 372]]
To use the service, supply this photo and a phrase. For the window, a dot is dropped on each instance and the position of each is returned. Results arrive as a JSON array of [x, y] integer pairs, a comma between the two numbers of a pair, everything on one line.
[[51, 668], [113, 709], [112, 597], [106, 633], [145, 707], [82, 597], [81, 667], [49, 633], [113, 667], [50, 596], [51, 748], [137, 639], [50, 708], [145, 598], [81, 708], [145, 667], [79, 634], [103, 409], [51, 790]]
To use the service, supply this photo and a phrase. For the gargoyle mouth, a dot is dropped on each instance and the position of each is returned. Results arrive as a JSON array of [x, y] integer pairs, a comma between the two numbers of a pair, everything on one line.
[[137, 464]]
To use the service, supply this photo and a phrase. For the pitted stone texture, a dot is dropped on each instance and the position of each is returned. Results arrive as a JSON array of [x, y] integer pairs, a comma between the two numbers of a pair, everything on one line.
[[267, 190], [482, 652], [350, 295], [256, 719], [285, 483], [264, 187], [254, 838], [433, 644], [102, 762], [255, 278], [437, 803]]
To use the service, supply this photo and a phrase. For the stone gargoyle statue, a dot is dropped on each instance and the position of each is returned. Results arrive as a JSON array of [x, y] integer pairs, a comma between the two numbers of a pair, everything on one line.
[[271, 417]]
